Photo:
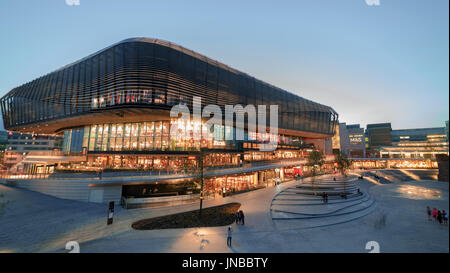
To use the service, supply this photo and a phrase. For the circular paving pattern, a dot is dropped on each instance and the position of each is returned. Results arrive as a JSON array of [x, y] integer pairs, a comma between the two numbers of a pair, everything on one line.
[[303, 206]]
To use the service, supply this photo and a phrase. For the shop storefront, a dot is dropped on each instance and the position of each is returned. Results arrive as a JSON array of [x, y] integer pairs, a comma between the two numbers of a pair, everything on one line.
[[231, 184], [395, 163], [152, 162]]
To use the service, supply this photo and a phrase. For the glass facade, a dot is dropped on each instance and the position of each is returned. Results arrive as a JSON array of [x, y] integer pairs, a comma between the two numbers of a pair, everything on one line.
[[73, 140], [156, 136], [150, 136]]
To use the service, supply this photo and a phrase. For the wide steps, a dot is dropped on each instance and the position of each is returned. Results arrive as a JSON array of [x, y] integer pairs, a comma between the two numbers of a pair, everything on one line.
[[306, 204], [318, 222], [316, 200], [302, 206], [307, 212]]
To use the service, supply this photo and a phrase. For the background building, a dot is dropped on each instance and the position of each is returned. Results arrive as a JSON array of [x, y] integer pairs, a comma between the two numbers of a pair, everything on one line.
[[405, 148], [377, 135], [446, 129], [19, 146], [423, 143], [351, 140], [3, 143]]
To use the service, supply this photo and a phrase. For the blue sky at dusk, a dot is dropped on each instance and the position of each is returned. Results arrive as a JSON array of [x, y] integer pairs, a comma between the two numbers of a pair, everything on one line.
[[386, 63]]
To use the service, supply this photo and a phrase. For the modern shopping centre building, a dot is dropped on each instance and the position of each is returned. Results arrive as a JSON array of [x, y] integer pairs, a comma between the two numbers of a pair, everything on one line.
[[113, 107]]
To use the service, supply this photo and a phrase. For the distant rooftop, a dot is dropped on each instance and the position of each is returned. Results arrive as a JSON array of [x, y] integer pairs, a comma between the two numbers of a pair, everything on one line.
[[433, 130], [379, 125]]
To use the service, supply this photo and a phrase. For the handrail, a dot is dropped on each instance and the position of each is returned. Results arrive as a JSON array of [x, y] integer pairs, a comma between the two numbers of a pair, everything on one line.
[[95, 174]]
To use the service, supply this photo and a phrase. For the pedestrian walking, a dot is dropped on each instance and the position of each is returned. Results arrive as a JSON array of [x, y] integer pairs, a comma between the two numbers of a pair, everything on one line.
[[229, 234], [334, 178], [326, 197], [434, 214], [439, 217], [429, 213], [323, 197], [238, 217], [445, 217], [242, 217]]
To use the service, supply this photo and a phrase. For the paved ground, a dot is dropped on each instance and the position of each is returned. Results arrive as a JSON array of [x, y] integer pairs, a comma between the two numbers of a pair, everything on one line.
[[32, 222]]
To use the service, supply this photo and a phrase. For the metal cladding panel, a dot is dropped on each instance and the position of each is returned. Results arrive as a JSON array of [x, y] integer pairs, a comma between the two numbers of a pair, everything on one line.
[[156, 74]]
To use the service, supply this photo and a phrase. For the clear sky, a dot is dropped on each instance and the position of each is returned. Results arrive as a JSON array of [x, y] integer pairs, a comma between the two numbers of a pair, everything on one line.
[[386, 63]]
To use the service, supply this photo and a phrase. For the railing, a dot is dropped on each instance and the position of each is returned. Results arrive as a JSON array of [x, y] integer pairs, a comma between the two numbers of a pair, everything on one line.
[[24, 176], [96, 174], [54, 153], [155, 201], [81, 175]]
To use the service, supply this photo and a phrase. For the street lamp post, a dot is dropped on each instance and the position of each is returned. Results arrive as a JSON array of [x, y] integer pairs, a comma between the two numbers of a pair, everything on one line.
[[200, 156]]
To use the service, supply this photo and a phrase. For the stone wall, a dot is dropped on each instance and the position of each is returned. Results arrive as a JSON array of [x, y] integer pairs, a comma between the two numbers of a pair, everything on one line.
[[79, 190]]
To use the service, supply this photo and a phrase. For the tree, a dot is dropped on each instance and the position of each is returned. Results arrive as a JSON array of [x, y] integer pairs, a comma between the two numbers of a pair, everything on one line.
[[315, 160], [343, 165], [201, 158]]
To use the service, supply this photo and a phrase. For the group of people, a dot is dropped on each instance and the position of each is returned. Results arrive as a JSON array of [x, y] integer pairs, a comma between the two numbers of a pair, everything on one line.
[[239, 220], [437, 216], [240, 217], [325, 197]]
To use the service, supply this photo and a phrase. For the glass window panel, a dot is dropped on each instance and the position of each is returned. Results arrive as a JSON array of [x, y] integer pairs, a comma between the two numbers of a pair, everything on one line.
[[99, 138], [134, 144], [105, 130], [149, 143], [218, 132], [126, 144], [112, 144], [119, 132], [92, 137], [172, 99], [113, 130], [128, 130], [147, 96], [105, 144], [157, 142], [144, 128], [105, 137], [118, 145], [150, 129], [160, 97], [141, 143], [228, 133], [165, 143], [158, 128], [165, 128], [86, 136], [134, 129]]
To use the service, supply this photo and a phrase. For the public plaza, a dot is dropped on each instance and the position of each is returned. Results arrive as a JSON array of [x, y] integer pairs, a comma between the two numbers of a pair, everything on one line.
[[390, 211]]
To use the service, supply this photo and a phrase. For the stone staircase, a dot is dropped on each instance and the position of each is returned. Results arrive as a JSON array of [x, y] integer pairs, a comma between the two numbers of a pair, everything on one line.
[[301, 206]]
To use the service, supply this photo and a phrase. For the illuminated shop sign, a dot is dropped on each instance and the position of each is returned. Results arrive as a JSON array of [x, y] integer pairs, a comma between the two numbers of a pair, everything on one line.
[[219, 143], [356, 139]]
